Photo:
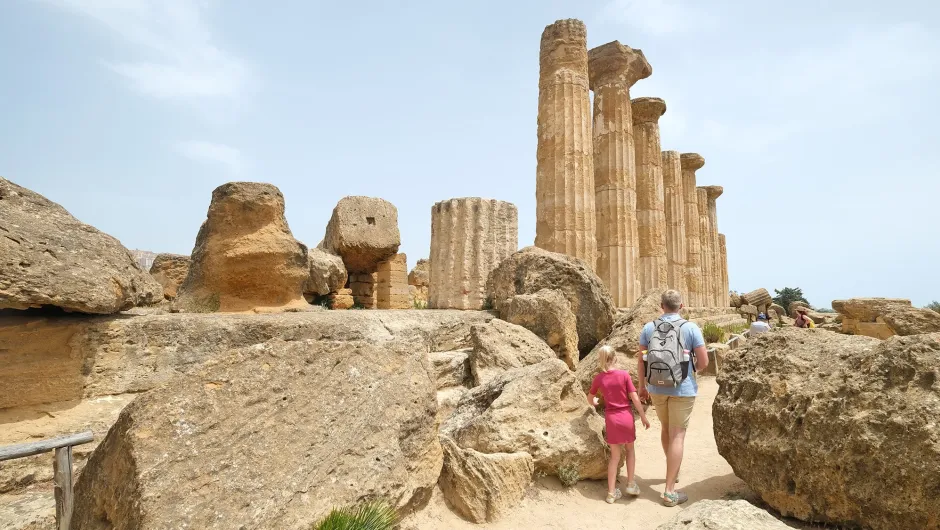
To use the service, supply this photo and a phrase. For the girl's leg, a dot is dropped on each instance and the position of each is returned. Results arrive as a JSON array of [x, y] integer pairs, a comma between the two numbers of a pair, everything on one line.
[[613, 467], [631, 463]]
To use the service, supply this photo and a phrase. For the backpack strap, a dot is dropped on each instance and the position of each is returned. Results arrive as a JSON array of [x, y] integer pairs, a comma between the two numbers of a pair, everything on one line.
[[679, 338]]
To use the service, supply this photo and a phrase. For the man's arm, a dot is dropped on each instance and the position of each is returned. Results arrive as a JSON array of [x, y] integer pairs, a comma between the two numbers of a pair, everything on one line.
[[701, 358]]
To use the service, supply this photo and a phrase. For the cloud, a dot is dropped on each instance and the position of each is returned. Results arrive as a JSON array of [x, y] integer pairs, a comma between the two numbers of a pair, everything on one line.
[[177, 56], [659, 17], [222, 154]]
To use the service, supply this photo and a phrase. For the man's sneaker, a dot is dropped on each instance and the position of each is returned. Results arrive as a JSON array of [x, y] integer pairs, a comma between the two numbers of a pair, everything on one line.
[[611, 497], [633, 489], [674, 498]]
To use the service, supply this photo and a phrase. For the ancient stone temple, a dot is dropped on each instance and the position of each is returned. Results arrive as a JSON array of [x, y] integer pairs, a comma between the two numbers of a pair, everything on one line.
[[705, 244], [564, 188], [676, 244], [650, 200], [469, 237], [716, 299], [692, 162], [613, 69], [725, 287]]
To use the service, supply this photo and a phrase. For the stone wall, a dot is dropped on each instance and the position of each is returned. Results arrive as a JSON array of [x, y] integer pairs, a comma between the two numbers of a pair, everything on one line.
[[392, 283]]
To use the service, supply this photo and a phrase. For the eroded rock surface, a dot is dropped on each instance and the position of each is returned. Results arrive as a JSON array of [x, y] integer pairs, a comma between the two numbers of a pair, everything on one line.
[[885, 317], [499, 346], [723, 515], [363, 231], [327, 273], [547, 313], [170, 270]]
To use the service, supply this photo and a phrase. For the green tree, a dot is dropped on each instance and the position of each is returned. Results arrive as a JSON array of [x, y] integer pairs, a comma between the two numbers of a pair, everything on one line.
[[787, 295], [935, 305]]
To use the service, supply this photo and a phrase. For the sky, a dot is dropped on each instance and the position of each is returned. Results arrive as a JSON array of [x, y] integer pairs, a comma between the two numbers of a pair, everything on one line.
[[819, 118]]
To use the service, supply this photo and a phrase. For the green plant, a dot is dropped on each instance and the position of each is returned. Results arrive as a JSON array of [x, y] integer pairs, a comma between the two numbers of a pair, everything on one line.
[[737, 329], [712, 333], [788, 295], [420, 304], [935, 306], [488, 304], [568, 474], [373, 515], [357, 305]]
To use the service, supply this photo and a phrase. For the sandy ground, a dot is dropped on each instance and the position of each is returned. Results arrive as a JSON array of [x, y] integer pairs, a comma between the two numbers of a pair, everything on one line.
[[705, 475]]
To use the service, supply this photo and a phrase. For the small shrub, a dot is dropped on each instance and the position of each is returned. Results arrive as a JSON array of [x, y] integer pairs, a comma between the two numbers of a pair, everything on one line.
[[420, 304], [488, 304], [935, 306], [568, 474], [712, 333], [357, 305], [737, 329], [374, 515]]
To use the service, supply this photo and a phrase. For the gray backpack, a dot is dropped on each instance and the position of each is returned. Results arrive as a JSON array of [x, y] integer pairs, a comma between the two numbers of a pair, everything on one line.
[[666, 363]]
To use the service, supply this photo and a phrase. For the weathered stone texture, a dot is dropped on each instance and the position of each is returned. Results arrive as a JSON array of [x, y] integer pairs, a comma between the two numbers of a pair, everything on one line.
[[363, 231], [341, 299], [692, 162], [364, 289], [723, 515], [532, 269], [564, 188], [50, 259], [650, 198], [884, 317], [676, 241], [714, 247], [707, 260], [547, 313], [613, 69], [170, 270], [826, 448], [723, 297], [418, 281], [499, 346], [392, 283], [759, 298], [469, 238], [327, 273]]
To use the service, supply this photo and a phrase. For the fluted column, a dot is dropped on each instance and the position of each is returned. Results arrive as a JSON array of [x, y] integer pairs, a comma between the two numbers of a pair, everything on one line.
[[614, 68], [676, 244], [469, 237], [705, 239], [692, 162], [723, 300], [713, 192], [564, 187], [650, 200]]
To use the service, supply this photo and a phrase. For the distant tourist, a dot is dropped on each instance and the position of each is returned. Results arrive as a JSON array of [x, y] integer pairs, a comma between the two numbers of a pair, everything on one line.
[[760, 325], [673, 350], [802, 320], [617, 388]]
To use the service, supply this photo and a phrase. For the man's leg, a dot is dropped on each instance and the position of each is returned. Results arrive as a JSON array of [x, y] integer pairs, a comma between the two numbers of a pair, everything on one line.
[[680, 410]]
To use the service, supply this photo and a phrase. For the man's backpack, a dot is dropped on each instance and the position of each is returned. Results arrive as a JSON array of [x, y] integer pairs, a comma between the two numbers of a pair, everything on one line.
[[667, 364]]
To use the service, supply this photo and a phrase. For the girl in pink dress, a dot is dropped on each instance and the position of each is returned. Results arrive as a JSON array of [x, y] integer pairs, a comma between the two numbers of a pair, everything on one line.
[[618, 391]]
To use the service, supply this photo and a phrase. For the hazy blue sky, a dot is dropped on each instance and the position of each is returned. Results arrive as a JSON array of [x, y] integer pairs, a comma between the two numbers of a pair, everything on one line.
[[818, 117]]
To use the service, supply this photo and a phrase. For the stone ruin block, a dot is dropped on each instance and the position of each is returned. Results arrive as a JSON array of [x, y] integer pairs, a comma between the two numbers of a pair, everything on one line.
[[392, 284], [363, 231], [341, 299], [363, 289]]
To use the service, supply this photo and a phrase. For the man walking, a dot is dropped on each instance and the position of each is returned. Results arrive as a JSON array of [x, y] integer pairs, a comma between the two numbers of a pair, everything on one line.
[[673, 349]]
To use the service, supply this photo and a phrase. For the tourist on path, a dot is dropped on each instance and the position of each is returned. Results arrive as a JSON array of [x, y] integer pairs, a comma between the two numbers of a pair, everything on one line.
[[759, 326], [617, 388], [672, 350]]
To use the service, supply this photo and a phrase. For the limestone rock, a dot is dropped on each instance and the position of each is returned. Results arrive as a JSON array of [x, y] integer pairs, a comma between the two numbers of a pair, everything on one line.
[[695, 297], [884, 317], [758, 297], [483, 487], [420, 275], [826, 448], [363, 231], [170, 270], [450, 368], [391, 289], [723, 515], [499, 346], [327, 273], [532, 269], [736, 300], [257, 437], [341, 299], [650, 193], [50, 259], [538, 409], [778, 309], [245, 257], [547, 313]]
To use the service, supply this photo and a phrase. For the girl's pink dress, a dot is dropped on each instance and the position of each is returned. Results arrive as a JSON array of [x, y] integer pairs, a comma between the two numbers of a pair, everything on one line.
[[616, 386]]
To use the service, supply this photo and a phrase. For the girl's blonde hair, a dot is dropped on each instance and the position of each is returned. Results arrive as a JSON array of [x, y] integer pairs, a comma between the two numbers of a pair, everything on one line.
[[606, 356]]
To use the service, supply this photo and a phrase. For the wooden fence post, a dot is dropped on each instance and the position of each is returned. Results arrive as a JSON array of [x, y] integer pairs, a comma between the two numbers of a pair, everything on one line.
[[62, 477]]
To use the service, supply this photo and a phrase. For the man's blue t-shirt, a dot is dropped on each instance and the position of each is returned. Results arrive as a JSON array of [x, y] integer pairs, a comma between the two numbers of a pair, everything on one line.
[[690, 339]]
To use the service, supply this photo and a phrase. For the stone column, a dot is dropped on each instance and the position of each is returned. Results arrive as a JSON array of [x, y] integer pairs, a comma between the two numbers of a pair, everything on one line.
[[469, 238], [676, 244], [713, 192], [391, 290], [564, 185], [723, 300], [692, 162], [614, 68], [650, 199], [705, 239]]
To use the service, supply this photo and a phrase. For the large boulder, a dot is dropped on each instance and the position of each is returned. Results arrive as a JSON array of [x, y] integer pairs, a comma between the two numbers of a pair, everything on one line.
[[245, 257], [532, 269], [885, 317], [499, 346], [723, 515], [49, 259], [170, 270], [538, 409], [821, 425], [327, 273], [269, 436], [547, 313], [420, 275], [449, 368], [483, 487], [363, 231]]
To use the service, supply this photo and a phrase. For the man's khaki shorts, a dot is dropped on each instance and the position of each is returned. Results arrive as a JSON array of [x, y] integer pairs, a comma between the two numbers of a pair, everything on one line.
[[673, 411]]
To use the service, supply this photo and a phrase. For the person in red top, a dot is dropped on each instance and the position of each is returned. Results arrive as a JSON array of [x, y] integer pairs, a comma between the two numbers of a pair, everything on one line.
[[617, 388]]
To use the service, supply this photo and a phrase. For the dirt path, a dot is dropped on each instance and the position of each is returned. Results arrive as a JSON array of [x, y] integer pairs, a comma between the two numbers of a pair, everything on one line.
[[705, 475]]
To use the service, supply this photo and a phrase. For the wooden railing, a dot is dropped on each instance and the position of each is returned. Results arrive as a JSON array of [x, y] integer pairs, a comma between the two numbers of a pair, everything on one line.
[[62, 468], [732, 343]]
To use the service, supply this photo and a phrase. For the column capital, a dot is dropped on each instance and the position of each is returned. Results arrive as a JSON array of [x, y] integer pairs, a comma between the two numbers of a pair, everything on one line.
[[563, 45], [614, 63], [693, 161], [647, 110], [713, 192]]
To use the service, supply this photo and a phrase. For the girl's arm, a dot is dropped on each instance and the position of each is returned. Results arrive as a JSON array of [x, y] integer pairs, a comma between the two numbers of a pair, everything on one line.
[[591, 401], [639, 407]]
